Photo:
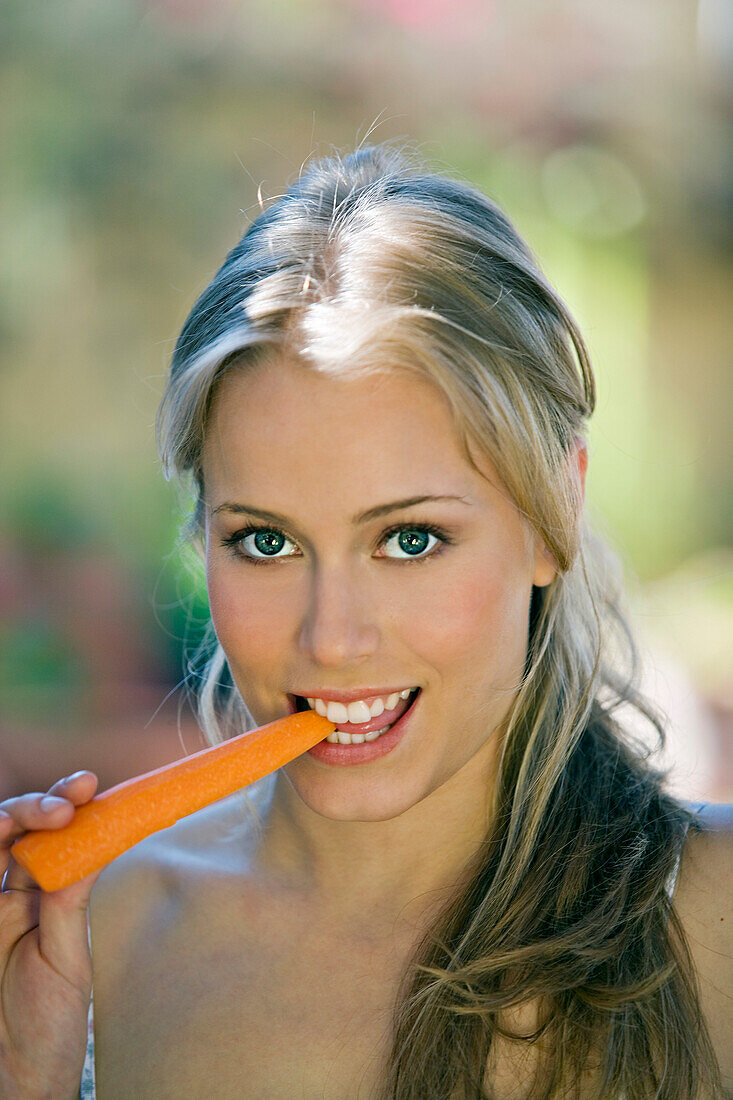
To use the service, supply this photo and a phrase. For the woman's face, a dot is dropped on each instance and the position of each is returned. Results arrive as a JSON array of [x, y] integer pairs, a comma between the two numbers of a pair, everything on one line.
[[343, 605]]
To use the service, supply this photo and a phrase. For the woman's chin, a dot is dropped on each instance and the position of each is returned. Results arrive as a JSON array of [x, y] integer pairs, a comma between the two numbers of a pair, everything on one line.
[[348, 801]]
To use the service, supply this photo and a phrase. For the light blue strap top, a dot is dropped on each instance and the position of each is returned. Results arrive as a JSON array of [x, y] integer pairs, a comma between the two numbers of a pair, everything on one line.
[[88, 1090], [696, 808]]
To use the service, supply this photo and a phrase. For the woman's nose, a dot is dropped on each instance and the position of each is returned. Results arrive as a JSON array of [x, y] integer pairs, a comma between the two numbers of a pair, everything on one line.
[[339, 625]]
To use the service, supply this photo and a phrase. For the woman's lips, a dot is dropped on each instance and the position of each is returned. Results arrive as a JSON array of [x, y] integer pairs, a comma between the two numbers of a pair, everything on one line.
[[386, 718]]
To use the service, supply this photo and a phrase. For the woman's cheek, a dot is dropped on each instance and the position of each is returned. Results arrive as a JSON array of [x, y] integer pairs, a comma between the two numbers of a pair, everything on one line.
[[479, 620], [247, 624]]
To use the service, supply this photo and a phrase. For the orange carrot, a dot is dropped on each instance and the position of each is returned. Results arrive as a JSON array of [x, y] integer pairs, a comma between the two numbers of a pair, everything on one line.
[[112, 822]]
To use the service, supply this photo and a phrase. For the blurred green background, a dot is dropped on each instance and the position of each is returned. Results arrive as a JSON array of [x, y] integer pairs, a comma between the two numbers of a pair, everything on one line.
[[136, 139]]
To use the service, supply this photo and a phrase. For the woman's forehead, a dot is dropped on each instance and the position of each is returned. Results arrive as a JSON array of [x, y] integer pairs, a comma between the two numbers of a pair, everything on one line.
[[293, 401], [284, 431], [257, 413]]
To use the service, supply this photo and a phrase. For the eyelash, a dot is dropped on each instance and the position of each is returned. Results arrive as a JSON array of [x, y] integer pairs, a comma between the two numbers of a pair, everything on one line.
[[231, 542]]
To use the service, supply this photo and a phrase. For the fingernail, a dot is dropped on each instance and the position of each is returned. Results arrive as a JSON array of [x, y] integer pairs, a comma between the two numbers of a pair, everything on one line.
[[4, 816], [50, 802], [71, 778]]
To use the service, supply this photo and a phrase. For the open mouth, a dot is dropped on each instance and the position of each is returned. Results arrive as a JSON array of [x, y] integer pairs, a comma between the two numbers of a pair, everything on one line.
[[355, 733]]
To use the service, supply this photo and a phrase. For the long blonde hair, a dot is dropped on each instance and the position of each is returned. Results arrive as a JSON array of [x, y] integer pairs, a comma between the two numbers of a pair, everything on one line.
[[371, 263]]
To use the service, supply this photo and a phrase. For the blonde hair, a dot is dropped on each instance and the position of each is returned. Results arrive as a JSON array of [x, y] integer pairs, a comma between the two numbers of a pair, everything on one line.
[[370, 263]]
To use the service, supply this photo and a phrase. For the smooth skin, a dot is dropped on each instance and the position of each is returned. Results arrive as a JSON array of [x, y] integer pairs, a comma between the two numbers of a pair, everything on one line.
[[343, 606]]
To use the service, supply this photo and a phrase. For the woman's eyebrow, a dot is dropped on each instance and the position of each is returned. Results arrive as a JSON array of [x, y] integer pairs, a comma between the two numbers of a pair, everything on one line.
[[361, 517]]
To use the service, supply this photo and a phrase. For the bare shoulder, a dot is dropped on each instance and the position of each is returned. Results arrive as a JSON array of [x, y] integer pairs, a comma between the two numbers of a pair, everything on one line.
[[145, 885], [704, 902], [156, 916], [705, 886]]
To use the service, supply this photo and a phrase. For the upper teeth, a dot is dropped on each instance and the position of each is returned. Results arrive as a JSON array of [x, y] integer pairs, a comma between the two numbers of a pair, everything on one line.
[[359, 711]]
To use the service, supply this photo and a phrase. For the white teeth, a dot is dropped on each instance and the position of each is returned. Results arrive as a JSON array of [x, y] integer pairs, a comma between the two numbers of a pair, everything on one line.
[[358, 712], [338, 737], [336, 712]]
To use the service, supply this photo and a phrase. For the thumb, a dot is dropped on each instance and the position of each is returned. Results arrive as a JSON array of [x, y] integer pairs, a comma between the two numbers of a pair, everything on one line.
[[63, 935]]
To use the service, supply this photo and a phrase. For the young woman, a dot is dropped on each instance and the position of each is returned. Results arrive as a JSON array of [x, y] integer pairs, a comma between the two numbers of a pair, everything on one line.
[[472, 889]]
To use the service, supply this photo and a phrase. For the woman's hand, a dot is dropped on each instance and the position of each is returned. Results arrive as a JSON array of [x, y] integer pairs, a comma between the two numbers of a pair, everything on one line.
[[45, 962]]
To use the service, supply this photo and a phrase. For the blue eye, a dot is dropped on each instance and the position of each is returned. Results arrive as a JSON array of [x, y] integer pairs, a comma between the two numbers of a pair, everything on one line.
[[268, 542], [413, 541], [264, 542]]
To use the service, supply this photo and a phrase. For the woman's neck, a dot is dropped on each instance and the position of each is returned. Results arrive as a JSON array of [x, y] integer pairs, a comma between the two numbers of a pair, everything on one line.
[[398, 869]]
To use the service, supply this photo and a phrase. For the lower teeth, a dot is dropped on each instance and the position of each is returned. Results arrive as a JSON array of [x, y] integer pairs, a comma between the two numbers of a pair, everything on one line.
[[338, 737]]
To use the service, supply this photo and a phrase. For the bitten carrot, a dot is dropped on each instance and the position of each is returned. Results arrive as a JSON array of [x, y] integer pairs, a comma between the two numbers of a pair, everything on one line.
[[122, 816]]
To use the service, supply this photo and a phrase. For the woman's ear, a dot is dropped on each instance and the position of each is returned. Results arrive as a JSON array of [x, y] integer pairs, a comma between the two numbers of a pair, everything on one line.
[[579, 455], [545, 566]]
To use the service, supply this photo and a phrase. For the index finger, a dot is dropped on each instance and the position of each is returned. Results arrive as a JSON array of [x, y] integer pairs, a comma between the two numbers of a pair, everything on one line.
[[27, 812], [77, 788]]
